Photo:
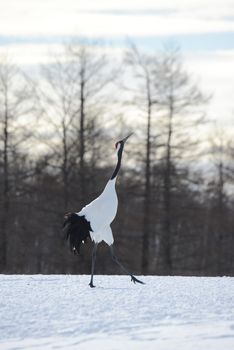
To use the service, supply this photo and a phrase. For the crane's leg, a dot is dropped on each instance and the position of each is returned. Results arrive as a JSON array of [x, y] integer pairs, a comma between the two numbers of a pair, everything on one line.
[[93, 263], [115, 259]]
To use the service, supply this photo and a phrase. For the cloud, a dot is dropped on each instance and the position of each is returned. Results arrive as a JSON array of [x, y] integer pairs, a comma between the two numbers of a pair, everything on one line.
[[31, 54], [146, 25], [216, 76], [114, 18], [197, 24]]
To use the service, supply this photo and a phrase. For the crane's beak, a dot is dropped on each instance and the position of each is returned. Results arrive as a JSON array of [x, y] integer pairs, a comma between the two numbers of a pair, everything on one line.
[[125, 139]]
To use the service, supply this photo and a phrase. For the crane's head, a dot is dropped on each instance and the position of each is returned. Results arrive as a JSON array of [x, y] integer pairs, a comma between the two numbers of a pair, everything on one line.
[[120, 144]]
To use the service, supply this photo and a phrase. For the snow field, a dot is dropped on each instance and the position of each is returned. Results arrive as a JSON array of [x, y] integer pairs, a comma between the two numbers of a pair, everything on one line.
[[167, 313]]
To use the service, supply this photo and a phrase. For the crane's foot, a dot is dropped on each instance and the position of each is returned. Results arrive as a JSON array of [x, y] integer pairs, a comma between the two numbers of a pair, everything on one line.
[[91, 285], [135, 280]]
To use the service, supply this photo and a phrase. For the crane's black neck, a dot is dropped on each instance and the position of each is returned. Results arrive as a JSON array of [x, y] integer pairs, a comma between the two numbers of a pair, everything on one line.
[[120, 152]]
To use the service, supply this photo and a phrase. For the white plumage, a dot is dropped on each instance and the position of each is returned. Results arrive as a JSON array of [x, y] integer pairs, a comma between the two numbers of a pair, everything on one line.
[[101, 212]]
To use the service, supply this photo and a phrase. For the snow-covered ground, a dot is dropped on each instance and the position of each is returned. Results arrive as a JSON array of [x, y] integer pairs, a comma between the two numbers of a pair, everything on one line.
[[167, 313]]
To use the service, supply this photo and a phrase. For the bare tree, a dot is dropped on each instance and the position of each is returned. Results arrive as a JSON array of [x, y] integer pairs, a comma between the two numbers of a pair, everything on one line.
[[15, 114], [59, 105], [73, 102], [218, 238], [144, 98], [179, 100]]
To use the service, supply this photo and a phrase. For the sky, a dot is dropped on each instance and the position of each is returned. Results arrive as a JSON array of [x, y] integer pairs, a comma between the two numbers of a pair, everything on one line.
[[204, 29]]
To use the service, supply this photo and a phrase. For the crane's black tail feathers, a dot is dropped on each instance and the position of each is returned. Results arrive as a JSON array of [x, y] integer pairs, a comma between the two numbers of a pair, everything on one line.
[[77, 230]]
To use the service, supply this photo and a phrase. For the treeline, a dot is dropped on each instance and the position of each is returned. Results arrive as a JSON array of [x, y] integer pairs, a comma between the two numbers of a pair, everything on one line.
[[58, 128]]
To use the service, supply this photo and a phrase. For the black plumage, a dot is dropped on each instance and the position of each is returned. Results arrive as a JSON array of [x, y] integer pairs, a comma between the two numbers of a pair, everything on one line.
[[77, 230]]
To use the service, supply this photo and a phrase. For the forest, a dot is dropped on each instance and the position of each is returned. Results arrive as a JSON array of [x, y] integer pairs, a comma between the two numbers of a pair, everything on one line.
[[58, 129]]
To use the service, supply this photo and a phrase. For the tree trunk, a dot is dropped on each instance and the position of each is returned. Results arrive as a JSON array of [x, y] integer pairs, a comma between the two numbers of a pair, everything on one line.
[[221, 220], [6, 202], [166, 231], [147, 195], [82, 139], [65, 169]]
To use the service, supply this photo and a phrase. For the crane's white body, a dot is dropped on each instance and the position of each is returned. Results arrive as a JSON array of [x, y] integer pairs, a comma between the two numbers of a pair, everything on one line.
[[101, 212]]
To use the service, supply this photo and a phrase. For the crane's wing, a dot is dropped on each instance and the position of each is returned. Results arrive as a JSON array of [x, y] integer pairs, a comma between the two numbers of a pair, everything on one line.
[[77, 230]]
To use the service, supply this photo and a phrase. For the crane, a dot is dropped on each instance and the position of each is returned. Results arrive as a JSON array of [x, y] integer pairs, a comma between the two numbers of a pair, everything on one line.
[[93, 221]]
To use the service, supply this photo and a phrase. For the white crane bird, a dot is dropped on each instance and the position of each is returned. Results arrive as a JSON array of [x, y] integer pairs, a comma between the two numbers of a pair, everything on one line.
[[94, 220]]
